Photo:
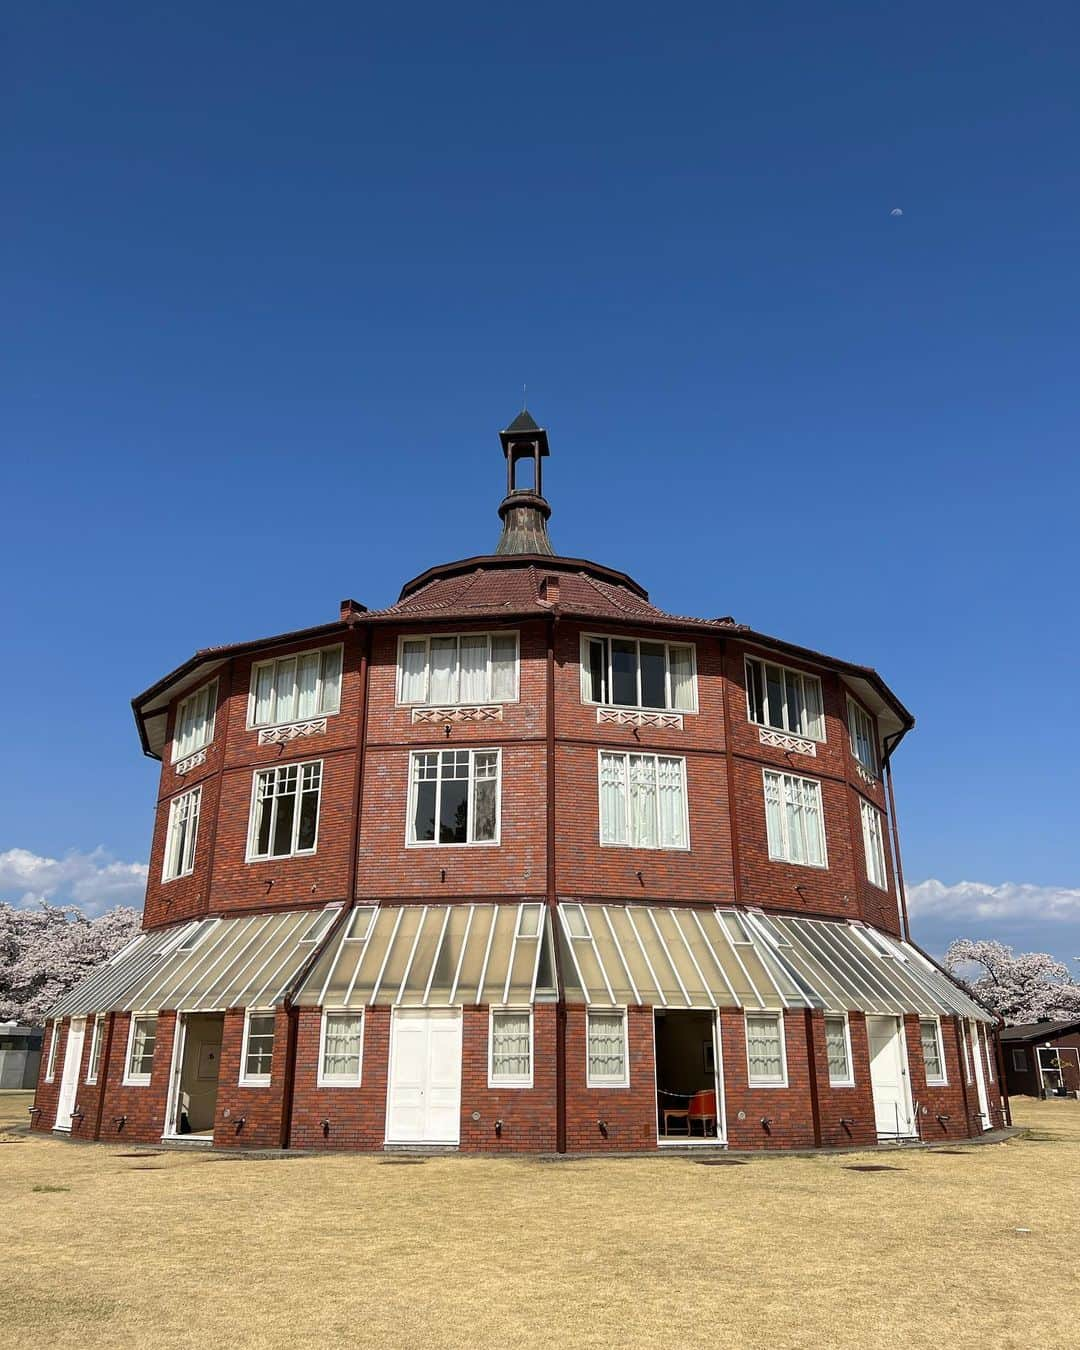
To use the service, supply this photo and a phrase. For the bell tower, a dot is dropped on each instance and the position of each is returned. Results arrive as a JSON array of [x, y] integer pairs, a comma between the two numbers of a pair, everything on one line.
[[524, 511]]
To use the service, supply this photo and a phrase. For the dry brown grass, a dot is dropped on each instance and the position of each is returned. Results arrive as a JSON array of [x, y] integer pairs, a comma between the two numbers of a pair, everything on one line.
[[784, 1253]]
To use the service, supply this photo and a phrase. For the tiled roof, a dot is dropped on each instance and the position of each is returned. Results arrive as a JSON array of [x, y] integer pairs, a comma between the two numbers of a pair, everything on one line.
[[1039, 1031]]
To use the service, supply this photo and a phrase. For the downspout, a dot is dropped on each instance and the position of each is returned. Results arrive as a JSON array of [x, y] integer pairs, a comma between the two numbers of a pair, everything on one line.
[[811, 1066], [887, 771], [553, 900], [103, 1075]]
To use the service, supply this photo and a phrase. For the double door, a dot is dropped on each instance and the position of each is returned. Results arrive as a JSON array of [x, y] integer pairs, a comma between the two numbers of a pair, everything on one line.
[[69, 1080], [424, 1094]]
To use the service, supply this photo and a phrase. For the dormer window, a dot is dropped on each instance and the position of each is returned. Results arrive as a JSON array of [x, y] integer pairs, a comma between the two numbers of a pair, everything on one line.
[[634, 673], [295, 688], [784, 699], [466, 668], [194, 726]]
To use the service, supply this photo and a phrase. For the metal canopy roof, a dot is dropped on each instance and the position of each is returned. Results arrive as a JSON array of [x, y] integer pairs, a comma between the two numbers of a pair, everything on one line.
[[104, 988]]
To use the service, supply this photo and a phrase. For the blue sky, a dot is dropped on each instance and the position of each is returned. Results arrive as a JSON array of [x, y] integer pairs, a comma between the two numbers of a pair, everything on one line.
[[275, 275]]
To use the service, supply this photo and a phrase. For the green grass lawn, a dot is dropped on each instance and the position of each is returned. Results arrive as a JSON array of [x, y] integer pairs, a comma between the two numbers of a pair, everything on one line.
[[178, 1249]]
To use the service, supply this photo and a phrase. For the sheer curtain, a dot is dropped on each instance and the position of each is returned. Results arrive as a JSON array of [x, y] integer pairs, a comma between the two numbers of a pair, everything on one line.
[[307, 685], [607, 1046], [643, 801], [474, 659], [672, 803], [331, 681], [763, 1048], [284, 690], [413, 671], [681, 664], [503, 666], [773, 816], [836, 1046], [510, 1052], [444, 683], [612, 799]]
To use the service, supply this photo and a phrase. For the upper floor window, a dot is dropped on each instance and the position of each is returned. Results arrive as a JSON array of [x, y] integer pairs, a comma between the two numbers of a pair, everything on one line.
[[285, 810], [465, 668], [874, 845], [784, 699], [794, 820], [194, 726], [630, 673], [454, 797], [182, 835], [643, 800], [293, 688], [861, 731]]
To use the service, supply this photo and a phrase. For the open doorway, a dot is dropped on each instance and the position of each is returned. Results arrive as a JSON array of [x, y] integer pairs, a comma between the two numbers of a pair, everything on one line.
[[194, 1086], [689, 1086]]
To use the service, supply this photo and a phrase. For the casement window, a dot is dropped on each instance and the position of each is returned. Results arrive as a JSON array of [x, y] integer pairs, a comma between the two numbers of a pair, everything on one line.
[[183, 833], [258, 1053], [632, 673], [295, 688], [1019, 1059], [141, 1042], [766, 1060], [794, 820], [341, 1046], [93, 1064], [933, 1050], [510, 1039], [606, 1050], [359, 925], [463, 668], [321, 924], [54, 1045], [838, 1045], [454, 797], [285, 811], [874, 845], [643, 800], [784, 699], [861, 732], [194, 725]]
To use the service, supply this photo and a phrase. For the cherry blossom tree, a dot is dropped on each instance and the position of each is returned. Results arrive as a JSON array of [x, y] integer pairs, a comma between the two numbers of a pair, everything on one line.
[[45, 950], [1020, 988]]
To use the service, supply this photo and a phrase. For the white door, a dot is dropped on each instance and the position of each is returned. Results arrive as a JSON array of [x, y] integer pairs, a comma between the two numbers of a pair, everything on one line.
[[980, 1072], [424, 1096], [888, 1077], [69, 1081]]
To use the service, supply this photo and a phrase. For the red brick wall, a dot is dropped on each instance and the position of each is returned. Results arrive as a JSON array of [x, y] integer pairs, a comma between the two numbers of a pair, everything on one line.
[[356, 1116], [47, 1093], [527, 1114], [144, 1106], [787, 1109], [260, 1108], [629, 1113], [854, 1104]]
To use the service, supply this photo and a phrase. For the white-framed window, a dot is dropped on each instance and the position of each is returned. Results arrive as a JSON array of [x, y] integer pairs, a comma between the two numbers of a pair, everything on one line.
[[285, 810], [1019, 1059], [341, 1048], [54, 1046], [838, 1046], [182, 835], [766, 1055], [636, 673], [359, 924], [321, 924], [873, 838], [454, 797], [142, 1038], [607, 1053], [194, 724], [458, 668], [965, 1037], [989, 1053], [643, 800], [294, 688], [784, 699], [861, 732], [510, 1042], [933, 1050], [258, 1050], [93, 1064], [794, 820]]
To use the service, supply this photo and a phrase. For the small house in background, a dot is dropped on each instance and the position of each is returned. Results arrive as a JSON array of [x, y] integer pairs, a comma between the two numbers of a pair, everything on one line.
[[20, 1055], [1042, 1059]]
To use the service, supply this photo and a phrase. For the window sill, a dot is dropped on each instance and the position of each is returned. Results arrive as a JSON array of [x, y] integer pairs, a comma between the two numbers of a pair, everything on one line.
[[337, 1083], [513, 1085], [753, 1083], [281, 857], [847, 1083], [606, 1086], [649, 848], [254, 1082], [165, 881], [135, 1082], [937, 1082], [434, 843]]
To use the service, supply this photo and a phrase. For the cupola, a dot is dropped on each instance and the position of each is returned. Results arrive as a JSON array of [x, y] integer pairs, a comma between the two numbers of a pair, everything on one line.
[[524, 510]]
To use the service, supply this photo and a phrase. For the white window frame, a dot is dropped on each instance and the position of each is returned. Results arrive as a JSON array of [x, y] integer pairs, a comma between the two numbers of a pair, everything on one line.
[[426, 638], [857, 713], [252, 856], [849, 1080], [274, 661], [92, 1065], [969, 1063], [873, 837], [131, 1079], [410, 812], [509, 1080], [785, 841], [183, 751], [256, 1079], [778, 1017], [936, 1081], [783, 727], [191, 843], [323, 1079], [623, 1081], [54, 1045], [609, 638], [626, 756]]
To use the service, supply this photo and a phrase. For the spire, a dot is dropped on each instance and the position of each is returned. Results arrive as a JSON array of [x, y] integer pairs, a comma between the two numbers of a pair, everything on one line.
[[524, 510]]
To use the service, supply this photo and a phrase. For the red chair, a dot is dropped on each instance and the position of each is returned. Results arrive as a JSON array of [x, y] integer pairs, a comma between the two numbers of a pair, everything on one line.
[[703, 1109]]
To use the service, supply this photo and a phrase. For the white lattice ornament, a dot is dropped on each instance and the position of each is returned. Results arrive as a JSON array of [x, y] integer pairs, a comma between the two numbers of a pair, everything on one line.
[[183, 766], [476, 713], [781, 740], [868, 778], [623, 717], [315, 726]]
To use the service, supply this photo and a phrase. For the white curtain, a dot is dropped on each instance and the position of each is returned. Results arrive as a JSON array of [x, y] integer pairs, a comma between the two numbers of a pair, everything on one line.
[[643, 801], [503, 667], [836, 1045], [795, 820], [607, 1046], [341, 1046], [672, 804], [474, 681], [613, 799], [331, 681], [444, 683], [773, 817], [815, 721], [264, 695], [285, 690], [510, 1045], [682, 678], [307, 684], [763, 1048], [413, 671]]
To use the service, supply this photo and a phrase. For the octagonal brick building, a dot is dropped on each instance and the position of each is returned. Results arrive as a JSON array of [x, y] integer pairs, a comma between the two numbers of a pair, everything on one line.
[[521, 862]]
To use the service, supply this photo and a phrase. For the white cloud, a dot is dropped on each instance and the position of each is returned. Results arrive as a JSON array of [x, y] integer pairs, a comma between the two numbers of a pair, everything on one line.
[[1009, 902], [94, 881]]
